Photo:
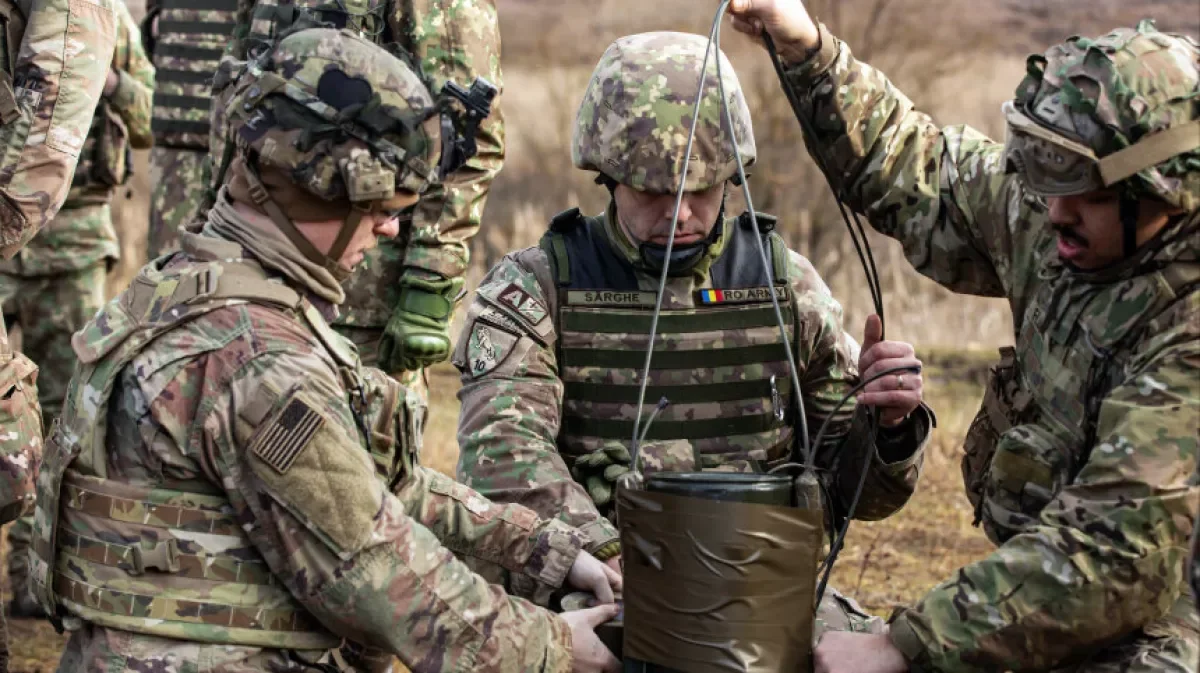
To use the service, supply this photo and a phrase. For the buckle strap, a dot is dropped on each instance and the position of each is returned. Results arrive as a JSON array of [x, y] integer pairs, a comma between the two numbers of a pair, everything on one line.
[[143, 606], [165, 557]]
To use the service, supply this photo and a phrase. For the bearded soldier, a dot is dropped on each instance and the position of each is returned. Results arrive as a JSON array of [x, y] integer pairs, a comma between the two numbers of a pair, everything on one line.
[[1087, 219], [210, 496], [556, 335], [56, 282], [54, 56], [185, 39], [399, 304]]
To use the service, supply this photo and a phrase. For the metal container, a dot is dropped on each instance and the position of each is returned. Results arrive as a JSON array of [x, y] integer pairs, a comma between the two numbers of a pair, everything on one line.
[[755, 488], [761, 489]]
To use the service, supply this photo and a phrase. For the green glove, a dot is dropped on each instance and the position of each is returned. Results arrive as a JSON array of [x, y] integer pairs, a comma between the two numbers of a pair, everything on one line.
[[418, 333]]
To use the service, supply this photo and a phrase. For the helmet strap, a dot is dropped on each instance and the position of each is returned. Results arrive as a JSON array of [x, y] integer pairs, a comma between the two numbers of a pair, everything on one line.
[[262, 198], [349, 226], [1128, 211]]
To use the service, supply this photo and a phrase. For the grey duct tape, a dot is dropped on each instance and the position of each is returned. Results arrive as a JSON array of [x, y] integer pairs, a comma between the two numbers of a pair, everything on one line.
[[717, 587]]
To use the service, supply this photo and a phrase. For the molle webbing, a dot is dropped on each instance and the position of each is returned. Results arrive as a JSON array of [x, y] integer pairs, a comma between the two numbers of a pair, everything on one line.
[[153, 573], [193, 35], [717, 587], [168, 558], [720, 362]]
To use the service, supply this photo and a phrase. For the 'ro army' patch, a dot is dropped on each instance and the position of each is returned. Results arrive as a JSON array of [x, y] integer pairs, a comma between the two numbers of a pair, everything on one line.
[[287, 435], [515, 297], [487, 347]]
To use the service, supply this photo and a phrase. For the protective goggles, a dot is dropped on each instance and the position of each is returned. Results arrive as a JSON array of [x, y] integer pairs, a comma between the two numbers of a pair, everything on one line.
[[1053, 165]]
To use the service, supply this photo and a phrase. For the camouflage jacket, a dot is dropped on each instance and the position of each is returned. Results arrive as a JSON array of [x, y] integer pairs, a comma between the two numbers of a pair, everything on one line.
[[1095, 554], [511, 421], [42, 127], [206, 402], [43, 131], [450, 41], [79, 236]]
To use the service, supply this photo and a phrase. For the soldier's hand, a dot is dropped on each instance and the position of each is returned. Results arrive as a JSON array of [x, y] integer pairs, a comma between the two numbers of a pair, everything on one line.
[[588, 654], [417, 334], [589, 574], [614, 564], [787, 21], [894, 395], [844, 652]]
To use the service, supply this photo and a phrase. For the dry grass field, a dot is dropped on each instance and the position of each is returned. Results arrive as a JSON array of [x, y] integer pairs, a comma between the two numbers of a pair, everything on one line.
[[958, 59]]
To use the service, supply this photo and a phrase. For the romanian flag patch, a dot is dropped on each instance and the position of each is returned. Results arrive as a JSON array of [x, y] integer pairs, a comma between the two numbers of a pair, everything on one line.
[[741, 295]]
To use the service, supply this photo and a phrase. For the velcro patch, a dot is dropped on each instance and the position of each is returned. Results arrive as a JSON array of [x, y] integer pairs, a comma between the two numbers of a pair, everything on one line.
[[741, 295], [515, 297], [488, 347], [279, 443]]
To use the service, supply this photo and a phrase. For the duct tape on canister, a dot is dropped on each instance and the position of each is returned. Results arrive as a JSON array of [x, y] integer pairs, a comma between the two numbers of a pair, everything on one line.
[[714, 584]]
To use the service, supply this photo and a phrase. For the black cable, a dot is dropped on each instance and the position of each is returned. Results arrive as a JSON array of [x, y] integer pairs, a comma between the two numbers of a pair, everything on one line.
[[857, 230]]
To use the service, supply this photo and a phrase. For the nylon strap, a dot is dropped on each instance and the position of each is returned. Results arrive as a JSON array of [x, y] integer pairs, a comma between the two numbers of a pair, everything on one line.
[[1149, 151], [260, 196], [136, 559], [116, 508], [178, 610]]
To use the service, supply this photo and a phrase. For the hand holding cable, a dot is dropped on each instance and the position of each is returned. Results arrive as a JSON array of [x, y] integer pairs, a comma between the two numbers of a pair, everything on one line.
[[786, 21], [893, 396]]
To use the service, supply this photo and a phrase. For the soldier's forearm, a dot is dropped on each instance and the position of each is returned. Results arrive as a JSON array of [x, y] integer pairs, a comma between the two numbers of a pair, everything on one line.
[[410, 596], [511, 536], [57, 86]]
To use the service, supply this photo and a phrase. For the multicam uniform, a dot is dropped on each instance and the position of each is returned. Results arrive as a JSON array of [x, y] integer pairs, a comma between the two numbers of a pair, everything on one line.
[[1081, 460], [185, 39], [56, 282], [54, 58], [208, 500], [556, 336], [407, 286]]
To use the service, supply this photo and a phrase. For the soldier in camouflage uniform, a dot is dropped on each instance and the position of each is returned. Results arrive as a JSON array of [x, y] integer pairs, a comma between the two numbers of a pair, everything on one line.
[[399, 304], [556, 336], [185, 38], [1081, 461], [56, 283], [227, 489], [54, 56]]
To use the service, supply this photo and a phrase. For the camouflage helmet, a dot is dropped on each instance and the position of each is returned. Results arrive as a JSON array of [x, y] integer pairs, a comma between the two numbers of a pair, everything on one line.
[[1122, 109], [633, 123], [310, 106]]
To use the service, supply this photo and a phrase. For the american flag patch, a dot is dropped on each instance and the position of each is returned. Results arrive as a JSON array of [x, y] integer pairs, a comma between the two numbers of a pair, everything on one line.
[[284, 439]]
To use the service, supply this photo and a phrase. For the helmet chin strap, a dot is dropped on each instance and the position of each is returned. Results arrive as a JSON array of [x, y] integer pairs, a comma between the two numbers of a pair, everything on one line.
[[1128, 210], [683, 257], [329, 261]]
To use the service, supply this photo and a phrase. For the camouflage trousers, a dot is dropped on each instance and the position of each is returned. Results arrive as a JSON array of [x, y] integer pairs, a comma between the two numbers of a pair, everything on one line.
[[179, 177], [49, 309]]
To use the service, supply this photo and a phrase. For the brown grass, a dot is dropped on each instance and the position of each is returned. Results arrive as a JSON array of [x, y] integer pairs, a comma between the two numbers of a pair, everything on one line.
[[958, 59]]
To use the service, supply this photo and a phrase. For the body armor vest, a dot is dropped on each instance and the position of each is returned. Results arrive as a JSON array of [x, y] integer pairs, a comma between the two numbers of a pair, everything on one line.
[[170, 559], [192, 35], [720, 362], [1037, 425]]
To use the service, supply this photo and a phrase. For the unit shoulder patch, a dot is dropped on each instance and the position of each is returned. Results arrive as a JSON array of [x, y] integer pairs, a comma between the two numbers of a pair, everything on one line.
[[488, 347], [515, 297]]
